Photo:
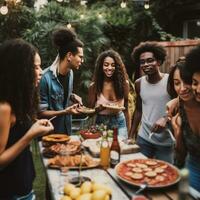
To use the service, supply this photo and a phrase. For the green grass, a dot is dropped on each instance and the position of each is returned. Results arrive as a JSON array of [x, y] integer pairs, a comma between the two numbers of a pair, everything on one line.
[[40, 180]]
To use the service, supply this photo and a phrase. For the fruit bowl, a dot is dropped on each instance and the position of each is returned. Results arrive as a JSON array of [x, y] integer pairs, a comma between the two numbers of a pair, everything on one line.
[[86, 134]]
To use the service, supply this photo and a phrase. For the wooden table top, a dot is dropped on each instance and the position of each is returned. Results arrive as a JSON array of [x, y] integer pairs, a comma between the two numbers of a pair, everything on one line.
[[121, 190]]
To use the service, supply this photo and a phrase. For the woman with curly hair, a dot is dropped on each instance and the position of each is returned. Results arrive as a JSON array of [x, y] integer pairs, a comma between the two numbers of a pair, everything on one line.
[[110, 87], [19, 77]]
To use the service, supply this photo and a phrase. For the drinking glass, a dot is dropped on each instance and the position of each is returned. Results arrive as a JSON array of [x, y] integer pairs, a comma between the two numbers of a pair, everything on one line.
[[64, 169]]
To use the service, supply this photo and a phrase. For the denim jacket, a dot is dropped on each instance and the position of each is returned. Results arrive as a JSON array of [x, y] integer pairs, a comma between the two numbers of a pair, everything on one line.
[[52, 97]]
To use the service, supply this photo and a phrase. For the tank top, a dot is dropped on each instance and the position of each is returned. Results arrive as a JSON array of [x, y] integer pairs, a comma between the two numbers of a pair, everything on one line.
[[154, 98], [190, 139], [17, 177], [102, 100]]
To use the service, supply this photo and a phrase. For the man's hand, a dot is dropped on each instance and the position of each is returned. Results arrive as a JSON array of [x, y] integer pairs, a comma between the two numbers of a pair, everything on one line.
[[72, 109], [159, 125], [76, 99]]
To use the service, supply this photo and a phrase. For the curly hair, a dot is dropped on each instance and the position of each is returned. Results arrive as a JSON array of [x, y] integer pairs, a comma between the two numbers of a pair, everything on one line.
[[193, 60], [66, 41], [157, 50], [119, 77], [17, 78]]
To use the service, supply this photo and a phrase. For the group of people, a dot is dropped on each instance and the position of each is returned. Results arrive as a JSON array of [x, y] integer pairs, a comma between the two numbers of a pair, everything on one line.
[[29, 98], [169, 129]]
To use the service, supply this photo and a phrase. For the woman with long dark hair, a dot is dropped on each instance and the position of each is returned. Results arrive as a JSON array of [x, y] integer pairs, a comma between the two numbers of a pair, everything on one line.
[[19, 77], [185, 120], [110, 87]]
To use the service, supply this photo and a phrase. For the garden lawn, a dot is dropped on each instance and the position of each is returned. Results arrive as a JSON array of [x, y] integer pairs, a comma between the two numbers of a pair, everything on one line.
[[39, 183]]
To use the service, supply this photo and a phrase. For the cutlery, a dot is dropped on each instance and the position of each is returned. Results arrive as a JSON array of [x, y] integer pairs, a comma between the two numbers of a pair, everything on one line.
[[143, 186], [52, 118]]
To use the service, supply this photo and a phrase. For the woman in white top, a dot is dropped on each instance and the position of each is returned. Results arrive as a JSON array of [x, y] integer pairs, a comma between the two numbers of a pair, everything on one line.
[[110, 87]]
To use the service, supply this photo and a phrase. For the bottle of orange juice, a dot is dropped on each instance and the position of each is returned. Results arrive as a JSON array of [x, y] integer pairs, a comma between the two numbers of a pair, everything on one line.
[[104, 151]]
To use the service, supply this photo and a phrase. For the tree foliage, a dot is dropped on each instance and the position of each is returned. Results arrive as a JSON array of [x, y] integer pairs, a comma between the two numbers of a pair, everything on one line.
[[101, 25]]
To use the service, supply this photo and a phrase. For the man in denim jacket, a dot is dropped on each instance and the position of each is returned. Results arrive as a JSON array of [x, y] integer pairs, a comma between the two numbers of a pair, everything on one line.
[[56, 85]]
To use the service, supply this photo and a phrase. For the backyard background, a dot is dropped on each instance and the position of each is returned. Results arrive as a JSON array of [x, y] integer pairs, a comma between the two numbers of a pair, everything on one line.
[[101, 24]]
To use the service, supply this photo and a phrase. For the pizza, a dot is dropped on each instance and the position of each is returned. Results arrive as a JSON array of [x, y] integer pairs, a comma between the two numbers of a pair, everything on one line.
[[113, 106], [51, 139], [155, 173], [86, 110]]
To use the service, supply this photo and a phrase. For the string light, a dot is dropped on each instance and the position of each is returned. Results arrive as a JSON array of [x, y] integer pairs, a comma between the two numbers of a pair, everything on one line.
[[83, 2], [69, 25], [82, 16], [146, 5], [123, 4], [59, 1], [100, 16], [4, 10]]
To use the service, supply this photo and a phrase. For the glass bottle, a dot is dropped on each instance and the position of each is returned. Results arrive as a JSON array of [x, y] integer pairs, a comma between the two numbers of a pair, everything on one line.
[[104, 151], [183, 187], [115, 149]]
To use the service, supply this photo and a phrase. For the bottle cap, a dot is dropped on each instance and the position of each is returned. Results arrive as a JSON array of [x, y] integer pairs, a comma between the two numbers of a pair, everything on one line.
[[184, 172]]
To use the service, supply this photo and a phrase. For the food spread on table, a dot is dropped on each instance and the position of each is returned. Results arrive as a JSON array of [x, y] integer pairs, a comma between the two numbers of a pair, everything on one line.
[[51, 139], [155, 173], [72, 147], [73, 162], [87, 190], [93, 145]]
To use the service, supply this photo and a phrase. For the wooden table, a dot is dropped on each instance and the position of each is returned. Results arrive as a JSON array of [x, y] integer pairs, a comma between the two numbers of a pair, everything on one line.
[[121, 190]]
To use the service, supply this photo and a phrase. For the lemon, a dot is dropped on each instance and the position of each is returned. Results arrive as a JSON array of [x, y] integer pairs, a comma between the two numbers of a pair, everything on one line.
[[68, 187], [75, 192], [86, 187], [86, 196], [107, 197], [98, 186], [99, 195], [66, 198]]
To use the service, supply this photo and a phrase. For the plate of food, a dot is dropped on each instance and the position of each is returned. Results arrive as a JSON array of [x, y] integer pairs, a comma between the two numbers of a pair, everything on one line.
[[73, 162], [92, 132], [155, 173], [113, 107], [51, 139], [72, 147], [86, 110]]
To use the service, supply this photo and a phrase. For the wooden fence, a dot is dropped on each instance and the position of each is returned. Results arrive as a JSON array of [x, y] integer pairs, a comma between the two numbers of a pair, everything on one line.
[[175, 50]]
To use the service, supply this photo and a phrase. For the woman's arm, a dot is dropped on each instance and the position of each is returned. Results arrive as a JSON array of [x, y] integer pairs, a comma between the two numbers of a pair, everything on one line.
[[181, 150], [92, 97], [126, 111], [6, 121]]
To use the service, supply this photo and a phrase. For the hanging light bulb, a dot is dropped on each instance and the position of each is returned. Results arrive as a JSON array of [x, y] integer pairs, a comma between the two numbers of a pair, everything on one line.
[[100, 16], [198, 22], [4, 10], [83, 2], [59, 1], [146, 5], [82, 16], [123, 4], [69, 25]]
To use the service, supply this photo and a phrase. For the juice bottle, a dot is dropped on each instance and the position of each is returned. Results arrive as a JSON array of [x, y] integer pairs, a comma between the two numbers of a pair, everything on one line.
[[104, 151]]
